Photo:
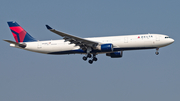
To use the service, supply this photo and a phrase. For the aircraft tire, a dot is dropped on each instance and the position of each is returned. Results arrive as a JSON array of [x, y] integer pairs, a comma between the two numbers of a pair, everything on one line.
[[95, 59], [89, 55], [84, 58], [90, 61], [157, 53]]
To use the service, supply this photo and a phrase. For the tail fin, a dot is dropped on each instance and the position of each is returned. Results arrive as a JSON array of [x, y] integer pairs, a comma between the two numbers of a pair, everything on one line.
[[20, 35]]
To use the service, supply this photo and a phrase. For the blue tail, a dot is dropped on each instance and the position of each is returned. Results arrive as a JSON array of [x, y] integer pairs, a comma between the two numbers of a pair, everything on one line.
[[20, 35]]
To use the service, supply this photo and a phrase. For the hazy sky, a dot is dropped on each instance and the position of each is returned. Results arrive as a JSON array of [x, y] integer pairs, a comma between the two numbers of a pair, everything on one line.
[[137, 76]]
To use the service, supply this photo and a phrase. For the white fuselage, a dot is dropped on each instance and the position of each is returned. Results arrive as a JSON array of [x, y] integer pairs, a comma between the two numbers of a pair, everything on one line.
[[120, 43]]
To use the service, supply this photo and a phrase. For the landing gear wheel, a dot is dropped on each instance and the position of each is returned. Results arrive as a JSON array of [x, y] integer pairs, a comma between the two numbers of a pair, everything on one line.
[[90, 61], [89, 55], [94, 59], [84, 58], [156, 53]]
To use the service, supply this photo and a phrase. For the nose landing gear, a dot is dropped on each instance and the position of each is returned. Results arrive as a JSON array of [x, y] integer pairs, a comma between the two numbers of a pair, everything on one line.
[[157, 53]]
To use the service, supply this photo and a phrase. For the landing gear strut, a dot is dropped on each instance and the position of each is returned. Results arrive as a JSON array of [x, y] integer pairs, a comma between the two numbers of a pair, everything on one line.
[[157, 51], [89, 55]]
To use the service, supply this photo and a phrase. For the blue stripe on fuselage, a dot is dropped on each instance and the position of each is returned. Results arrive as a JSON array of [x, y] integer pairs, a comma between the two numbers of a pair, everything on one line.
[[80, 51]]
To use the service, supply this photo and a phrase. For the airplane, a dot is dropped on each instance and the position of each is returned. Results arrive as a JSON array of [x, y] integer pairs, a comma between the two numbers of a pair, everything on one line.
[[112, 46]]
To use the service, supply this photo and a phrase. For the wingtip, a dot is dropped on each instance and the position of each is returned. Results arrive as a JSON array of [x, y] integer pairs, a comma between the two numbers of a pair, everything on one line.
[[48, 27]]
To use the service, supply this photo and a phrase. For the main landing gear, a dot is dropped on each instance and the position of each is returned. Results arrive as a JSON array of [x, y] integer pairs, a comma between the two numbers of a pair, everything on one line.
[[93, 58], [157, 53]]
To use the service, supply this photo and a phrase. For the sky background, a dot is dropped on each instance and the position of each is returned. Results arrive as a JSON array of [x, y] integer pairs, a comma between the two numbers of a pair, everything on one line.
[[137, 76]]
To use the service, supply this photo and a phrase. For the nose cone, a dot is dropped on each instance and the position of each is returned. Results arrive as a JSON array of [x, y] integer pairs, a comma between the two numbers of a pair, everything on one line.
[[171, 41], [167, 41]]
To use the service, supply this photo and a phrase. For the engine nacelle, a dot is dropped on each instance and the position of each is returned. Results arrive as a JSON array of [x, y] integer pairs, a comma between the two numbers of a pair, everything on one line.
[[115, 54], [105, 47]]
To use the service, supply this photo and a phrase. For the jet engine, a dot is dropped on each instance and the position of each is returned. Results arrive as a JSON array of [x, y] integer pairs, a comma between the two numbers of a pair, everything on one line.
[[115, 54], [105, 47]]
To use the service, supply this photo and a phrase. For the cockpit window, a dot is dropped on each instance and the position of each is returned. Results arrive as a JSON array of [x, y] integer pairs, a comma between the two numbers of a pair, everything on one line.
[[167, 37]]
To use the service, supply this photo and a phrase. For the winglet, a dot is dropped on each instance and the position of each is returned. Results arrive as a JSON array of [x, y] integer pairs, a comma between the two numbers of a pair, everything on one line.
[[48, 27]]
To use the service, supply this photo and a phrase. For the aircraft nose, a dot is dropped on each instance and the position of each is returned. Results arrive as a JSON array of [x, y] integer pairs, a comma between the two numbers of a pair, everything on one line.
[[172, 40]]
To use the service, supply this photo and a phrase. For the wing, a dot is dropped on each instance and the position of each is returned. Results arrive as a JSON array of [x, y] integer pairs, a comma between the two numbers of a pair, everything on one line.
[[83, 43]]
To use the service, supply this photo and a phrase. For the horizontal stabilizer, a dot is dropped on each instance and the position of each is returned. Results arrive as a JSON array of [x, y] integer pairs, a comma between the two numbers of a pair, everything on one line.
[[22, 45]]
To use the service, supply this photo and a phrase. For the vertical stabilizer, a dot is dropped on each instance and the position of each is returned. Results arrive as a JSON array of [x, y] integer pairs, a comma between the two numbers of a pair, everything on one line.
[[20, 35]]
